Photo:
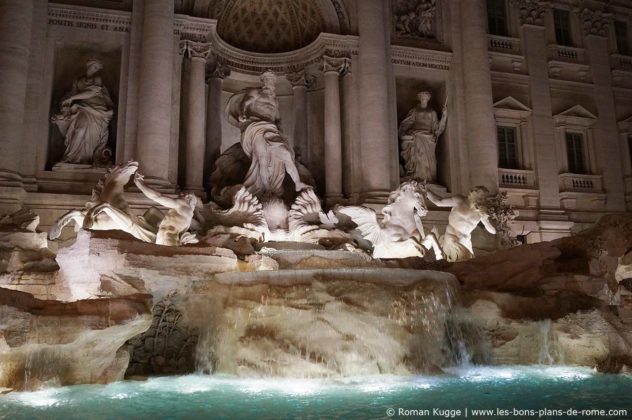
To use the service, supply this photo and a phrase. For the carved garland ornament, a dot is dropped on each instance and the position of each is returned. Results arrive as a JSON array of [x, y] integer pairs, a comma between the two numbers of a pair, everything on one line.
[[595, 22], [532, 12]]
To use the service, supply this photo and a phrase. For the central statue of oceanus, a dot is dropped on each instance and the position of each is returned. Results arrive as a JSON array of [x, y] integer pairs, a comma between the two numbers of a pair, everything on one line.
[[255, 111]]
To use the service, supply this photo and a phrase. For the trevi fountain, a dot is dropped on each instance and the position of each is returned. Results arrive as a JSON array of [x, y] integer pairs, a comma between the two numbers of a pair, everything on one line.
[[271, 277]]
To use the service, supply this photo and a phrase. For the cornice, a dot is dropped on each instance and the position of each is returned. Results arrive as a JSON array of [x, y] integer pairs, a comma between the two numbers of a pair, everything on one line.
[[204, 30]]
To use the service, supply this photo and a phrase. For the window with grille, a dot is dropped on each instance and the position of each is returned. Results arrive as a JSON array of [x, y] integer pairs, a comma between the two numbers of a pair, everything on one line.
[[575, 153], [621, 34], [562, 21], [507, 147], [497, 17]]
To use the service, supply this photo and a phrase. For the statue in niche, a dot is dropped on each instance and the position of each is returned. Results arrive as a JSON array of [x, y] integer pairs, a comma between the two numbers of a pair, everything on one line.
[[256, 112], [465, 215], [84, 118], [418, 134], [415, 18]]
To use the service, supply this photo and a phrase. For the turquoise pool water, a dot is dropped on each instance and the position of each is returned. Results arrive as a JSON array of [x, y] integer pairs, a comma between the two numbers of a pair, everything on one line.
[[200, 397]]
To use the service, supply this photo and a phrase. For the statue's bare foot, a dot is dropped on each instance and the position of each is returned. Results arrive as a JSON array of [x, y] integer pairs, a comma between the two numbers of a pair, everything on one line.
[[300, 186]]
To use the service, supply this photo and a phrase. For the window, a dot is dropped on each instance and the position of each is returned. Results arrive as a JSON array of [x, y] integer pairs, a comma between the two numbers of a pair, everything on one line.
[[497, 17], [575, 153], [562, 21], [507, 147], [621, 34]]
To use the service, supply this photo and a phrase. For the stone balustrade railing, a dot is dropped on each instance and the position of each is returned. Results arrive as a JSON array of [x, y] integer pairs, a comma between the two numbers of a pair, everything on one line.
[[569, 54], [516, 178], [621, 62], [581, 183], [504, 44]]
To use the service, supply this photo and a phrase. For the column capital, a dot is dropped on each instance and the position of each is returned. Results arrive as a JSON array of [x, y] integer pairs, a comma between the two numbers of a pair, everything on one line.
[[532, 12], [595, 22], [194, 49], [340, 65], [217, 70], [302, 77]]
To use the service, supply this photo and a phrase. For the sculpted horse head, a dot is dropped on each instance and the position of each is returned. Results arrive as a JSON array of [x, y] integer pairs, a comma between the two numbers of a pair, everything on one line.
[[404, 205], [110, 187]]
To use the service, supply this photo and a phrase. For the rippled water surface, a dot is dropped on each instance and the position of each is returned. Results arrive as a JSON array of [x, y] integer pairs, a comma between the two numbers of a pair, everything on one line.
[[197, 397]]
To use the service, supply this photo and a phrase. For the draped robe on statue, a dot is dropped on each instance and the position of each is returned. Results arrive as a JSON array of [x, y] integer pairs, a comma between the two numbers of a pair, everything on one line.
[[262, 141], [84, 124], [418, 133]]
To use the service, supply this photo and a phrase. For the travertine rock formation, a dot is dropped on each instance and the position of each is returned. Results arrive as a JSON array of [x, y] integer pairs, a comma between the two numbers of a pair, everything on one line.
[[45, 343], [564, 301]]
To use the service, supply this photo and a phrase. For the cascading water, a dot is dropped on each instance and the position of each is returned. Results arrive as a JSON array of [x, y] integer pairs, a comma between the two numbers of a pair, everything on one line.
[[550, 353], [325, 322]]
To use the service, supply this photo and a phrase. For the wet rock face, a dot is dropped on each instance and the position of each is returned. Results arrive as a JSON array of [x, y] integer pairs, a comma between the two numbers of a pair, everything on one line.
[[55, 343], [570, 296], [323, 324], [166, 347]]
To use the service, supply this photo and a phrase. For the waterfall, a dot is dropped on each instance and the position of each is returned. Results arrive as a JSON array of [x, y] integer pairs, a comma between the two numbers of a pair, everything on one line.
[[550, 352]]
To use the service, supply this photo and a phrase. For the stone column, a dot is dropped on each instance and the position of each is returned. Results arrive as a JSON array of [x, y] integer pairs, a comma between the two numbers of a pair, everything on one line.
[[197, 53], [214, 115], [36, 111], [546, 161], [351, 182], [332, 68], [606, 131], [300, 81], [15, 41], [480, 123], [375, 124], [154, 94]]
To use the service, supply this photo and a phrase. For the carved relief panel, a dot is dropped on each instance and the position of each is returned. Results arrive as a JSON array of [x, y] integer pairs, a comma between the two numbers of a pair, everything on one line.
[[415, 19]]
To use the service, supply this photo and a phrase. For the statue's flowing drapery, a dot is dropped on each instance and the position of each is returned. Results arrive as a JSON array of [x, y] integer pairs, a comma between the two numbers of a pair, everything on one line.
[[84, 124], [418, 134], [262, 141], [418, 151]]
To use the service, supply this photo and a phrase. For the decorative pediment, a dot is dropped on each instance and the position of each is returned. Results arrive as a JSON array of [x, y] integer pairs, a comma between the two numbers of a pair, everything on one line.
[[511, 108], [575, 115], [578, 111], [511, 103]]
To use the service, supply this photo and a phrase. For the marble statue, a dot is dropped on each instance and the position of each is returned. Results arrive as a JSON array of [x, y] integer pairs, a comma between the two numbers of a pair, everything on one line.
[[108, 209], [256, 112], [418, 134], [84, 119], [173, 228], [401, 233], [465, 215], [307, 222]]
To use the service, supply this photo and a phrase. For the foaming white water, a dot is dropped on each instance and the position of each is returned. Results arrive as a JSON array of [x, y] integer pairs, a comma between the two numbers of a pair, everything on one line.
[[373, 385], [499, 373]]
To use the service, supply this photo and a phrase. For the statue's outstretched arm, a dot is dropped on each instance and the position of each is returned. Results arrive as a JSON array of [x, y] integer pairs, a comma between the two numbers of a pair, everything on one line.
[[153, 195], [441, 202]]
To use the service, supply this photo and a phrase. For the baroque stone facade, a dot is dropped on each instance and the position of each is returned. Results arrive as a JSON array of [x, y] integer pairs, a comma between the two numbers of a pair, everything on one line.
[[540, 97]]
